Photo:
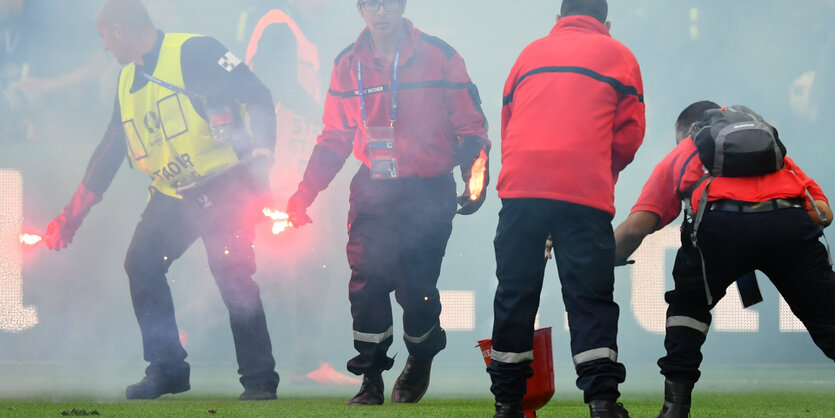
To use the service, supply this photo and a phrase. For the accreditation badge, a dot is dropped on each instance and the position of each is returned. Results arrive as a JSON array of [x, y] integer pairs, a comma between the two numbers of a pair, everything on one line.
[[381, 155]]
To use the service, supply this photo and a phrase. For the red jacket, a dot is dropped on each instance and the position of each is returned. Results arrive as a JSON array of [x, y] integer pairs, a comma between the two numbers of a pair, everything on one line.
[[437, 104], [573, 116], [681, 169]]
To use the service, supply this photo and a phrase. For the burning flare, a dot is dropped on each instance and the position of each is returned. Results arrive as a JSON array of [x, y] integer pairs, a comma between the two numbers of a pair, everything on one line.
[[30, 239], [280, 222], [476, 183]]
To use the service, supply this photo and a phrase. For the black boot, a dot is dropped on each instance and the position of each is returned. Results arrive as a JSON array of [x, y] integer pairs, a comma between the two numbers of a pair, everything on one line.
[[371, 391], [607, 409], [509, 410], [676, 400], [258, 392], [413, 381], [159, 381]]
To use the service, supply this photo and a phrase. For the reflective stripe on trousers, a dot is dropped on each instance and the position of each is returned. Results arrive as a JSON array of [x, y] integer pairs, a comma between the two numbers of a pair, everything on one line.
[[595, 354], [418, 340], [373, 338], [685, 321], [511, 357]]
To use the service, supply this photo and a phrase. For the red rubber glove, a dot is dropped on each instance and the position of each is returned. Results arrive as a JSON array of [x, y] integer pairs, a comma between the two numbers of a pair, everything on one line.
[[60, 231]]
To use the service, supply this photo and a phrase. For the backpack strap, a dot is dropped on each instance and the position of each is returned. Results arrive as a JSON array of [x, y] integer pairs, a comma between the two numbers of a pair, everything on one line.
[[822, 216], [823, 219], [688, 204], [697, 220], [681, 176]]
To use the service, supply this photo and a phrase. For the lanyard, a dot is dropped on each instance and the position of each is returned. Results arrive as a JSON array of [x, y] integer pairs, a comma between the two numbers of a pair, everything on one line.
[[172, 87], [393, 113]]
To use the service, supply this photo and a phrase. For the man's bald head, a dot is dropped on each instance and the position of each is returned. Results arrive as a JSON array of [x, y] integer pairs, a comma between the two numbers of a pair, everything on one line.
[[129, 14], [126, 29]]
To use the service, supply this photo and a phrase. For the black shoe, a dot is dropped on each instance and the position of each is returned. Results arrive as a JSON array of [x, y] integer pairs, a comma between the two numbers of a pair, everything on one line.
[[607, 409], [158, 383], [509, 410], [258, 393], [413, 381], [371, 391], [676, 400]]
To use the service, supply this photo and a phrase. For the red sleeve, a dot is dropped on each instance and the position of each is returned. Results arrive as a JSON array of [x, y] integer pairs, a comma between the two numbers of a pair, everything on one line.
[[463, 101], [659, 194], [340, 127], [507, 95], [812, 186], [335, 143], [629, 123]]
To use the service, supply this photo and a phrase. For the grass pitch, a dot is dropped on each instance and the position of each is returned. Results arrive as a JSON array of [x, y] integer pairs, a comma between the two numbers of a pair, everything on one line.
[[50, 390], [705, 405]]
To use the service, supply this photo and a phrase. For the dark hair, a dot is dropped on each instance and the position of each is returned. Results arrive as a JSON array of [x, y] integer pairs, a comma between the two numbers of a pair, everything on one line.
[[597, 9], [692, 114]]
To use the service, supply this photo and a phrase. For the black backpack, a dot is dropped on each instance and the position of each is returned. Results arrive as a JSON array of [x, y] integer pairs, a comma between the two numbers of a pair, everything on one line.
[[732, 141], [736, 142]]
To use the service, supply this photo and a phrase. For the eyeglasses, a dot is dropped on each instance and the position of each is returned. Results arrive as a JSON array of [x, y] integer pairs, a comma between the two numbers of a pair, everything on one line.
[[374, 5]]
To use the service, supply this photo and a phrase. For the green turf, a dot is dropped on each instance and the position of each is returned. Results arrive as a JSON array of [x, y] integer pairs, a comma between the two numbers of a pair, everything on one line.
[[705, 405]]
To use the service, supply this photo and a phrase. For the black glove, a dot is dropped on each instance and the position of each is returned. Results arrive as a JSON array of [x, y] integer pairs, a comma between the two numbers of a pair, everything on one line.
[[469, 206], [622, 262], [470, 150], [297, 207]]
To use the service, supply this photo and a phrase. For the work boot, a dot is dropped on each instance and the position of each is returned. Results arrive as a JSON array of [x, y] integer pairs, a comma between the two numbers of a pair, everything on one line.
[[676, 400], [413, 381], [371, 391], [607, 409], [509, 410], [159, 381], [258, 392]]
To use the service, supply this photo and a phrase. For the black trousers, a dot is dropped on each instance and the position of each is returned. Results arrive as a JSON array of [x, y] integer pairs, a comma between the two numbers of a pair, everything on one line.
[[167, 228], [584, 249], [397, 236], [783, 244]]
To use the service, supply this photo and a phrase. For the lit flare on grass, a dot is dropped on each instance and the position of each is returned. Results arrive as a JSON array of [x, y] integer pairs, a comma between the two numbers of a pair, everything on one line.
[[476, 183], [280, 220], [30, 239]]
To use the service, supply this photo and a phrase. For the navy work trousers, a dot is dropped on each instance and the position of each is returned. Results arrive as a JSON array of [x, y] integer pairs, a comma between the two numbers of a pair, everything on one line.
[[167, 228], [584, 249], [782, 243], [397, 236]]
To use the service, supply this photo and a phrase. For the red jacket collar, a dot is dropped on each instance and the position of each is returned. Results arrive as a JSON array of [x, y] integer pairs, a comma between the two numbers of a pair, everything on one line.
[[580, 23], [365, 52]]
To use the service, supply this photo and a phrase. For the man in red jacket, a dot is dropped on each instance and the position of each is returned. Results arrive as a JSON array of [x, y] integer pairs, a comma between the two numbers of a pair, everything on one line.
[[403, 102], [759, 222], [573, 118]]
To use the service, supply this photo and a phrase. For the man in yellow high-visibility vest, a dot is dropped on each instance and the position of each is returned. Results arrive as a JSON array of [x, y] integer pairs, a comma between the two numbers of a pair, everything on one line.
[[201, 125]]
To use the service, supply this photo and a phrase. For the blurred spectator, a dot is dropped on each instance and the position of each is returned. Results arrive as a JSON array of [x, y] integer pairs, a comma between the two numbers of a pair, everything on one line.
[[36, 65], [284, 51]]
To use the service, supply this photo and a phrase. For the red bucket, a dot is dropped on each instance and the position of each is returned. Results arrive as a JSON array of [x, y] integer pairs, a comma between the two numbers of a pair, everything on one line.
[[541, 384]]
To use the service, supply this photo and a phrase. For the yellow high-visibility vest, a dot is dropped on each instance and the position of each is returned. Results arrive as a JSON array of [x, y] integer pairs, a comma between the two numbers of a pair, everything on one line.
[[166, 137]]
